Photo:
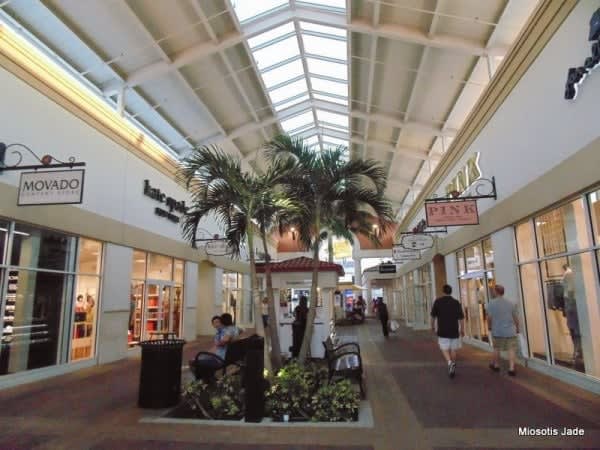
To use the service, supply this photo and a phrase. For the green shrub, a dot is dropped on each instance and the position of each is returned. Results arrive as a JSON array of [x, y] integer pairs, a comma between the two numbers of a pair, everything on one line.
[[335, 402], [221, 400]]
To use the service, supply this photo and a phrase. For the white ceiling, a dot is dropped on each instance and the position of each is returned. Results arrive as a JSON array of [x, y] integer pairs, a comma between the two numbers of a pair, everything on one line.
[[393, 80]]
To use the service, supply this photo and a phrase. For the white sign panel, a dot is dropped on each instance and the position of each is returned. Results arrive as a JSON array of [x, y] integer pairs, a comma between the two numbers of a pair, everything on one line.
[[400, 253], [55, 187], [416, 241]]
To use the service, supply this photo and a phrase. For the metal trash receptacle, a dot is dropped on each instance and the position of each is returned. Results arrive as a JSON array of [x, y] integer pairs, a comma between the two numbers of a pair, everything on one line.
[[160, 373], [254, 382]]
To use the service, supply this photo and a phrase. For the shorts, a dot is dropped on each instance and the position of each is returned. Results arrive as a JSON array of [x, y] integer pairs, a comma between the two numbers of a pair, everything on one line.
[[449, 343], [505, 343]]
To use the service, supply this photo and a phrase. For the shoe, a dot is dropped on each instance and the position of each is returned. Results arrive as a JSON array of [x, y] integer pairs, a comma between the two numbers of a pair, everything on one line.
[[512, 373], [451, 369], [494, 368]]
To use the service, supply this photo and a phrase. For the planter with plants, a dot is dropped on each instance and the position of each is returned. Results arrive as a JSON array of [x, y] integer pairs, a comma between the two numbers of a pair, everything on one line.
[[223, 400]]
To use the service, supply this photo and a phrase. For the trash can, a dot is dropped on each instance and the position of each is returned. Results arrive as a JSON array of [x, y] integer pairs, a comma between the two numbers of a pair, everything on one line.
[[254, 382], [160, 373]]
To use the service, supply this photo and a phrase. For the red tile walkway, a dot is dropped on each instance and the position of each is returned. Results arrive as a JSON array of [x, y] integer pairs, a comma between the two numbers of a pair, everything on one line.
[[415, 405]]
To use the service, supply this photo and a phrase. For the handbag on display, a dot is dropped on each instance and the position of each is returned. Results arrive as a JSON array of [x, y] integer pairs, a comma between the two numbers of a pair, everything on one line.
[[522, 345], [394, 325]]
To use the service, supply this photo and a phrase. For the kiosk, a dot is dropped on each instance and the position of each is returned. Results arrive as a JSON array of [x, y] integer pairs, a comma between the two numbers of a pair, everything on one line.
[[292, 279]]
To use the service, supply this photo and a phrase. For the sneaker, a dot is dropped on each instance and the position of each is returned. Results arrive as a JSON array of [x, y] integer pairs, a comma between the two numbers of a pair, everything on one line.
[[494, 368], [451, 369]]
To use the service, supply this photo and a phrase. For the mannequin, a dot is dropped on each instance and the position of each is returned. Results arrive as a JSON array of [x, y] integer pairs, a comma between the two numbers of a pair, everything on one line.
[[570, 311]]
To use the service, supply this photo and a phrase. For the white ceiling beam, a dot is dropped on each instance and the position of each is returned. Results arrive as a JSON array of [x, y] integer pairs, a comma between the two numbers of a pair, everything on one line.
[[395, 122], [371, 76], [410, 152], [301, 13], [187, 88]]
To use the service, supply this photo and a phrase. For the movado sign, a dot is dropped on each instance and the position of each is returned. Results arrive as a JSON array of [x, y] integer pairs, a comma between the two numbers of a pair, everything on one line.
[[171, 203], [57, 187], [576, 75]]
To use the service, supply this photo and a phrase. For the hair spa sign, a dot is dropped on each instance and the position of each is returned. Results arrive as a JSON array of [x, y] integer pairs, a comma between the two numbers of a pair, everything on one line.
[[171, 203]]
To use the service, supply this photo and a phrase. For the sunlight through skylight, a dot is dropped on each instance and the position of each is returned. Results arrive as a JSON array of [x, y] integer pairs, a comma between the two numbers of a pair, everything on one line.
[[318, 84], [323, 29], [330, 69], [271, 34], [248, 9], [299, 121], [341, 4], [325, 46], [289, 90], [268, 56], [283, 73]]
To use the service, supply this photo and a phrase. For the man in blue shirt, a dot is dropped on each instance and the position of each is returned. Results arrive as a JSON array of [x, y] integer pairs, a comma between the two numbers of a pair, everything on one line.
[[503, 321]]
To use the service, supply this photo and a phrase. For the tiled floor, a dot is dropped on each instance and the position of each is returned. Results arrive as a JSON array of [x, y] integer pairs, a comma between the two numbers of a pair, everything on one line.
[[415, 405]]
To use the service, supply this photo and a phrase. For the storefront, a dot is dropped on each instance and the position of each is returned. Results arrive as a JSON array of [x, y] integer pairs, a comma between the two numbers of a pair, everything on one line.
[[539, 236], [50, 289]]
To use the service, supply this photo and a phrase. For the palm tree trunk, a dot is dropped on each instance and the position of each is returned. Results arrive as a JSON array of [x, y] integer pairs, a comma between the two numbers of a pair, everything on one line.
[[256, 295], [273, 330], [312, 311], [330, 246]]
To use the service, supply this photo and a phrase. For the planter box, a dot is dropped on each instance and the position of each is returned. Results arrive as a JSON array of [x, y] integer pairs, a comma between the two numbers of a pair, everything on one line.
[[183, 411]]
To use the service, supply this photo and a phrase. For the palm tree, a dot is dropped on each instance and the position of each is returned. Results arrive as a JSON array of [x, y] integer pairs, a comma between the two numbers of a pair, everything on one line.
[[241, 202], [336, 194]]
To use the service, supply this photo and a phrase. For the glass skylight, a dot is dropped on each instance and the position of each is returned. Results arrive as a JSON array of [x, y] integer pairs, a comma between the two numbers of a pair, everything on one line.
[[268, 56], [276, 53], [248, 9], [283, 73], [299, 121], [290, 90], [326, 68], [291, 102], [322, 29], [333, 48], [333, 118], [329, 98], [271, 34], [319, 84]]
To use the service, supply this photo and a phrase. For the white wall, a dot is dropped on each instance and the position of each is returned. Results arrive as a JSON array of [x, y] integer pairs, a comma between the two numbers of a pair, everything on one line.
[[113, 176], [452, 273], [190, 300], [503, 244], [210, 286], [536, 128], [114, 303]]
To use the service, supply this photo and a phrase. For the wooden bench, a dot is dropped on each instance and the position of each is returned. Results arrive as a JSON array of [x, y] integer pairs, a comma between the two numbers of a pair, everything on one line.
[[344, 361], [206, 365]]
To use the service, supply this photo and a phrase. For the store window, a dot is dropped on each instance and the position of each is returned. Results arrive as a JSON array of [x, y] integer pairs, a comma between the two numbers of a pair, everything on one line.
[[156, 297], [237, 299], [44, 270], [423, 294], [560, 289], [594, 199], [476, 283], [87, 287]]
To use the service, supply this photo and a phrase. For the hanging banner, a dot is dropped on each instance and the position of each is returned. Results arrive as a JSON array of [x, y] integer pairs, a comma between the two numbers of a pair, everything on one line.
[[451, 213], [399, 252], [416, 241], [56, 187]]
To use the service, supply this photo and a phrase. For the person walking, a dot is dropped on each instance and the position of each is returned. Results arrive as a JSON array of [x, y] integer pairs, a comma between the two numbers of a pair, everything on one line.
[[447, 314], [384, 317], [503, 322]]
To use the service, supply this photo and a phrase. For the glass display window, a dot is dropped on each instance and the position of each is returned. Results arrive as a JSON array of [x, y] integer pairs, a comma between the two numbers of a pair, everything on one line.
[[3, 241], [460, 262], [474, 258], [155, 297], [563, 229], [560, 287], [525, 236], [42, 249], [138, 269], [159, 267], [488, 254], [594, 199]]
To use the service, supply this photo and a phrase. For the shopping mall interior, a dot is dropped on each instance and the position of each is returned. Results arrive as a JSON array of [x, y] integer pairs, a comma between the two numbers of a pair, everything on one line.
[[318, 173]]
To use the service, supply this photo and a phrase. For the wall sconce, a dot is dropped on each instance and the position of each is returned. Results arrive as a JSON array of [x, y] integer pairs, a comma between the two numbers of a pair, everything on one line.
[[293, 230]]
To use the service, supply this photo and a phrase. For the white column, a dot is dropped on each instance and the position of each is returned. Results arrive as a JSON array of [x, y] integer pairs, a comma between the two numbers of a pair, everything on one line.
[[210, 297], [114, 304], [190, 301]]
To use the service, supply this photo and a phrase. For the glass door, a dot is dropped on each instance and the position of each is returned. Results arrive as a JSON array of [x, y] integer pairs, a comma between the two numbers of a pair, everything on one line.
[[161, 311]]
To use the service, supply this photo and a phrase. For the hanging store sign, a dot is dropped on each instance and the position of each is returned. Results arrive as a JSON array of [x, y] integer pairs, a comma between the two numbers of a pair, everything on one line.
[[57, 187], [171, 203], [452, 213], [399, 252], [387, 268], [416, 241], [576, 75]]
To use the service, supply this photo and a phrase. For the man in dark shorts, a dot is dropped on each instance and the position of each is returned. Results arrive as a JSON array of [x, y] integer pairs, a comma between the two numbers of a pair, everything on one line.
[[448, 314]]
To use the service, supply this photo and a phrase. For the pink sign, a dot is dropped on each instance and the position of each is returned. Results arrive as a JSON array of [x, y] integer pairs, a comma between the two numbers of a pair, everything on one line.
[[452, 213]]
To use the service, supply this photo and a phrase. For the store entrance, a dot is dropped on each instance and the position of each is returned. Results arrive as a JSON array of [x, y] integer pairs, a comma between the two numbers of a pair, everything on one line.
[[162, 312], [473, 297]]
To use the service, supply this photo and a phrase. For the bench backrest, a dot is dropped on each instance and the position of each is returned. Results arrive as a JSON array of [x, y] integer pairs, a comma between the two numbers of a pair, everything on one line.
[[236, 350]]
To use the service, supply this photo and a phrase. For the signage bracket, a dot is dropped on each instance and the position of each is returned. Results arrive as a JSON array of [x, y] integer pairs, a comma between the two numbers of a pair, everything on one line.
[[482, 183], [46, 161], [443, 230]]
